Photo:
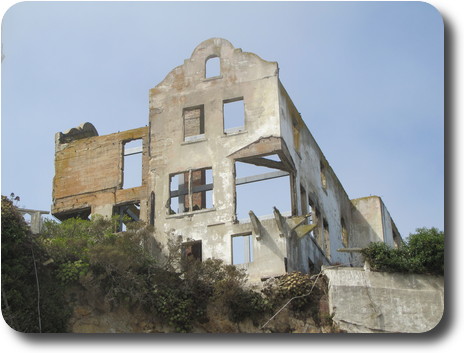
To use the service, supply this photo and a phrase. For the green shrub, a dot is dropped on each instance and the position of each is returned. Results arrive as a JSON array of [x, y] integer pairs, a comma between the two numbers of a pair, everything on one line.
[[26, 306], [423, 253]]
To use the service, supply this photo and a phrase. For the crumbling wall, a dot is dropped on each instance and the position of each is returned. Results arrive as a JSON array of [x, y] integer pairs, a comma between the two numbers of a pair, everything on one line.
[[89, 173]]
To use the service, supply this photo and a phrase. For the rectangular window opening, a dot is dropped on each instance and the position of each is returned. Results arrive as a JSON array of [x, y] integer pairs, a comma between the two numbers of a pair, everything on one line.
[[194, 123], [234, 116], [213, 67], [83, 213], [304, 202], [132, 164], [242, 249], [312, 218], [259, 189], [127, 213], [344, 232], [191, 191], [191, 251], [326, 238]]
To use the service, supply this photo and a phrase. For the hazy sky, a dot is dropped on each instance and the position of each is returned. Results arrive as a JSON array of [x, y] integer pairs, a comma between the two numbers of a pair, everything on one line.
[[367, 79]]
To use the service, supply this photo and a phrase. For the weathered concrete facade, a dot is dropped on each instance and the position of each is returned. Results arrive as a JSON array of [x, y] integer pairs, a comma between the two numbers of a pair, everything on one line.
[[190, 155]]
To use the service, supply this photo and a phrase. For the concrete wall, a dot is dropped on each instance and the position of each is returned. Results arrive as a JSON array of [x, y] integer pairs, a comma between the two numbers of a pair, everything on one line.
[[363, 301], [243, 75]]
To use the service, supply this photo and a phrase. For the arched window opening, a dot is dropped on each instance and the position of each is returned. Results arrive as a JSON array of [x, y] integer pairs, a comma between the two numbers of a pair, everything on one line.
[[213, 67]]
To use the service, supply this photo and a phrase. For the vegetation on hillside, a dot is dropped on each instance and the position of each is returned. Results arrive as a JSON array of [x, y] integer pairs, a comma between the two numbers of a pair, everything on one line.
[[121, 268], [32, 299], [38, 272]]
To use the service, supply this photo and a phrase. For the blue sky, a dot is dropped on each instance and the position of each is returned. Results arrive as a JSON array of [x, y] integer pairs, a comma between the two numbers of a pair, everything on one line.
[[367, 78]]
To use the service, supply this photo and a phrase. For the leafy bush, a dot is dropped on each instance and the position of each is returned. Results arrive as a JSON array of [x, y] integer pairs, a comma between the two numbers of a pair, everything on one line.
[[121, 268], [26, 306], [423, 253]]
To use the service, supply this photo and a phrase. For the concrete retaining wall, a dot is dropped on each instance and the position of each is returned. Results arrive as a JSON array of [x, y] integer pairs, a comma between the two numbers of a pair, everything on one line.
[[363, 301]]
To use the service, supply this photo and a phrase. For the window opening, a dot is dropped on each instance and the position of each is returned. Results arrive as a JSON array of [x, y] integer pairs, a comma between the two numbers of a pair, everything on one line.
[[326, 238], [27, 218], [344, 233], [83, 213], [242, 249], [234, 115], [192, 251], [213, 67], [127, 213], [323, 177], [296, 134], [312, 218], [304, 202], [191, 191], [259, 189], [132, 164], [152, 208], [194, 123]]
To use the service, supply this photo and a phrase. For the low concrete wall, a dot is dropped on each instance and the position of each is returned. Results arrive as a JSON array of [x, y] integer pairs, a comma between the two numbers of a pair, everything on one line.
[[363, 301]]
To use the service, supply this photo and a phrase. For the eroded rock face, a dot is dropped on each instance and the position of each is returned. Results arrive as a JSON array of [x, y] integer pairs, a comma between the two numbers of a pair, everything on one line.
[[92, 315]]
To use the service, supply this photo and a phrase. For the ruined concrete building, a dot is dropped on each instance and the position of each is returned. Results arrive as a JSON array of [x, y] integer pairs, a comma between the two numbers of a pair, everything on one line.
[[205, 128]]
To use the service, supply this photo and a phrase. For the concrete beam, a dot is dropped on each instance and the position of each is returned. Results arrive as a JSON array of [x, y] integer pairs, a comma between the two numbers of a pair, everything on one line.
[[260, 177]]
